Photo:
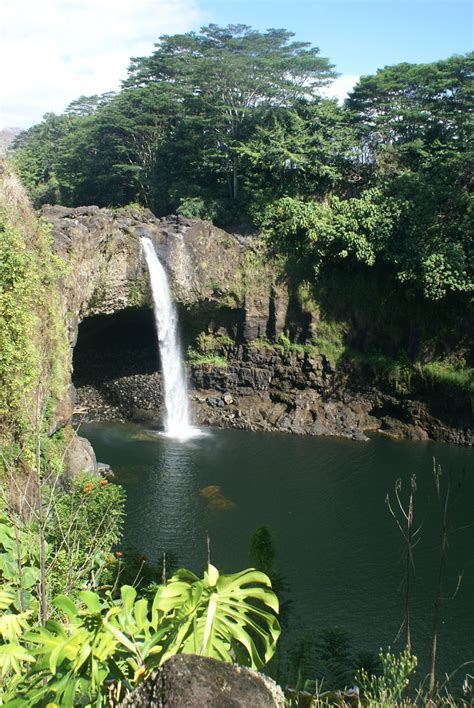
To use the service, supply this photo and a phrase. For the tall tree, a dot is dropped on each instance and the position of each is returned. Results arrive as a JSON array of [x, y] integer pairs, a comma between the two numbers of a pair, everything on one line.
[[227, 73], [36, 152], [303, 151], [416, 120], [425, 105]]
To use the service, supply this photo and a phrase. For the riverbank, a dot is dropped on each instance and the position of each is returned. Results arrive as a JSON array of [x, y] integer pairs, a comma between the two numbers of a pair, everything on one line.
[[263, 387]]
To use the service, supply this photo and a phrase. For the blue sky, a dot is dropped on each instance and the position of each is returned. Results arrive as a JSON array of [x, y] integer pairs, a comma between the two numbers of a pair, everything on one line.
[[360, 36], [53, 51]]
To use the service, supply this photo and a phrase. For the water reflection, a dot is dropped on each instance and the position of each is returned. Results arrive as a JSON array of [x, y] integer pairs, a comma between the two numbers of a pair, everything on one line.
[[174, 489]]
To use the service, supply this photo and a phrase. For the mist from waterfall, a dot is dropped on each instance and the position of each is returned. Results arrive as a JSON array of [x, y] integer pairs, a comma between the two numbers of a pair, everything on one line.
[[177, 423]]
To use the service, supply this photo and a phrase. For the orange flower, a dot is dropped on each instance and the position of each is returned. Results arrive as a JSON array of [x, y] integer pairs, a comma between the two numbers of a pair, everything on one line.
[[88, 487], [119, 554], [103, 482]]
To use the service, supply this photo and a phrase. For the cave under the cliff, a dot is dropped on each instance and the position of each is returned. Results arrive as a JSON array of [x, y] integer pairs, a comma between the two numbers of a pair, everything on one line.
[[124, 343], [116, 345]]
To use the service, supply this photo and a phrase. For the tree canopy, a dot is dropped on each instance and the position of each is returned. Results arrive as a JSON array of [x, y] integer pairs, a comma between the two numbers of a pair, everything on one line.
[[228, 123], [226, 75]]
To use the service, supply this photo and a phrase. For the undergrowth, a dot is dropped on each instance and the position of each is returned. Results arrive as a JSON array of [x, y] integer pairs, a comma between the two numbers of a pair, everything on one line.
[[34, 352], [197, 359]]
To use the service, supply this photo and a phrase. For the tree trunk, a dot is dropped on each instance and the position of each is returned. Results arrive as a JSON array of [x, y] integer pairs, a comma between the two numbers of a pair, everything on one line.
[[235, 180]]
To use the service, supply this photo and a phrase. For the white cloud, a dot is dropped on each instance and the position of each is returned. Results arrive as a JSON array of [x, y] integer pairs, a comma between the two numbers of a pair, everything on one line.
[[340, 87], [53, 51]]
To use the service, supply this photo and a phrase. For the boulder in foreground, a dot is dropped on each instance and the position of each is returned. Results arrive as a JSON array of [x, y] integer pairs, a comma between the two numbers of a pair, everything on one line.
[[199, 682]]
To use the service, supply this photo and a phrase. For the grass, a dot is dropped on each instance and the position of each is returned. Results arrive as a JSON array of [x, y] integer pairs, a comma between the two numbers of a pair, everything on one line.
[[396, 371], [207, 349], [401, 370], [207, 343], [442, 372], [329, 340], [328, 343], [198, 359]]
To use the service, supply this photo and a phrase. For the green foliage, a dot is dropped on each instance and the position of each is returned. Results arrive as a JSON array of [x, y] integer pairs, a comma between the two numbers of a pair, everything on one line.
[[334, 658], [138, 294], [34, 352], [323, 662], [175, 137], [413, 213], [206, 342], [449, 375], [261, 343], [197, 208], [329, 340], [284, 342], [406, 103], [235, 74], [81, 524], [19, 576], [397, 372], [221, 616], [19, 357], [333, 230], [400, 371], [85, 521], [415, 120], [209, 349], [303, 150], [19, 560], [388, 688], [133, 206], [226, 124], [102, 644], [197, 359], [35, 157]]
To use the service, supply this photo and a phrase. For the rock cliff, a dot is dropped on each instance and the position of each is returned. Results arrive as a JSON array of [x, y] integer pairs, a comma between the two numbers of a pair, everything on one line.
[[227, 292]]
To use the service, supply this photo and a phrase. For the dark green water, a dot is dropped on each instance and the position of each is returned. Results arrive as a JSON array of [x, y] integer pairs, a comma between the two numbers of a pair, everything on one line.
[[337, 546]]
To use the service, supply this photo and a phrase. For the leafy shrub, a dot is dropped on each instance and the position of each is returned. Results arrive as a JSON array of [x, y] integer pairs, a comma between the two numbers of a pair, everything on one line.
[[34, 349], [387, 689], [19, 563], [197, 208], [85, 521], [284, 341], [207, 348], [197, 359], [19, 576], [447, 374], [329, 340], [322, 662], [104, 646]]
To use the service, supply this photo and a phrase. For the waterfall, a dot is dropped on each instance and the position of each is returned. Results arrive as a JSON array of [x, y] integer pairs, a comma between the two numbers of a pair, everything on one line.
[[177, 423]]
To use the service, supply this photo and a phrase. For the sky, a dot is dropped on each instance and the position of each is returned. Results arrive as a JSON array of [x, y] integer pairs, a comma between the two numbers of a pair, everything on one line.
[[53, 51]]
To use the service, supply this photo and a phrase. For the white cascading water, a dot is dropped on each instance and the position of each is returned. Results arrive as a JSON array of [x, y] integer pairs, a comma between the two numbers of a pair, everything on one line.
[[177, 423]]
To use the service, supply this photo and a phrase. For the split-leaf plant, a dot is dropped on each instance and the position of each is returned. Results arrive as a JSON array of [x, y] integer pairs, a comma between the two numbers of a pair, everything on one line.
[[98, 649]]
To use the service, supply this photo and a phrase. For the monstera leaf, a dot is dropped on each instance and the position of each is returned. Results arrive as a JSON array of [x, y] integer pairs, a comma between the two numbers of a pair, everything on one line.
[[102, 642], [228, 617]]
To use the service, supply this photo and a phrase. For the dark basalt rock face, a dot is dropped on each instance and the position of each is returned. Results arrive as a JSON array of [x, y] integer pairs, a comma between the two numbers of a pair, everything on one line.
[[188, 681], [222, 285], [262, 389]]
